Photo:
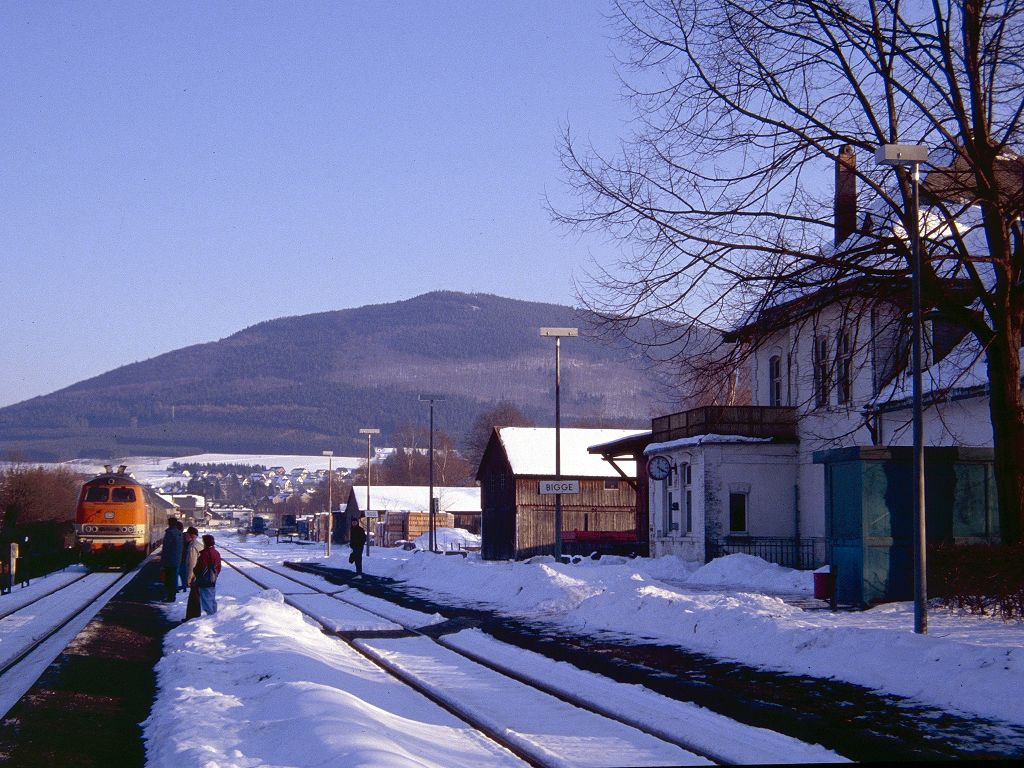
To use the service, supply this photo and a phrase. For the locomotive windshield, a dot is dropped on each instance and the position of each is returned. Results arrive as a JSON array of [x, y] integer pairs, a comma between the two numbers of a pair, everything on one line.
[[101, 493]]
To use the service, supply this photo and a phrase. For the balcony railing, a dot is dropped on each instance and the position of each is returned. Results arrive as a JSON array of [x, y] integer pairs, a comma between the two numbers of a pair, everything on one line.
[[743, 420]]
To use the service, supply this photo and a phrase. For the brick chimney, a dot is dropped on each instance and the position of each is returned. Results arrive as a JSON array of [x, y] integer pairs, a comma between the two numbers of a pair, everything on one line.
[[845, 194]]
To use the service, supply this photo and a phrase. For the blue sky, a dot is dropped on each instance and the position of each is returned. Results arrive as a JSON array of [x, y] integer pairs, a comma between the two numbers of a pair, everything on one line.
[[174, 172]]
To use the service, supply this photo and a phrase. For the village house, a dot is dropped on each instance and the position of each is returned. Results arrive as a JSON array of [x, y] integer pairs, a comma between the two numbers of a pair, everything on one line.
[[518, 516]]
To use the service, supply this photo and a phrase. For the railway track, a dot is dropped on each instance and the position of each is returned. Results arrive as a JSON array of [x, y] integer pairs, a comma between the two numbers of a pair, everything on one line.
[[395, 634], [34, 632], [12, 603]]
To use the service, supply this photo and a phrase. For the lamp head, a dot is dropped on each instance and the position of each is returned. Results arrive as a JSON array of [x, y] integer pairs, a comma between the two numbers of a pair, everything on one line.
[[901, 154]]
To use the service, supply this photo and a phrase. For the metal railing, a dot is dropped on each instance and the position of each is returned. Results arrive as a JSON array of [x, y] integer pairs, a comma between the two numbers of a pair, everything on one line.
[[745, 420], [805, 554]]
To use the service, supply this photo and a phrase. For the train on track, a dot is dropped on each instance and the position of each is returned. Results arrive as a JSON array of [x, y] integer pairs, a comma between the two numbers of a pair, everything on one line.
[[119, 520]]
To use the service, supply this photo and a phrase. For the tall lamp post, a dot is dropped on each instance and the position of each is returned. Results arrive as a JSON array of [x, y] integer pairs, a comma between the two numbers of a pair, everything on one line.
[[558, 333], [430, 516], [369, 432], [330, 499], [913, 155]]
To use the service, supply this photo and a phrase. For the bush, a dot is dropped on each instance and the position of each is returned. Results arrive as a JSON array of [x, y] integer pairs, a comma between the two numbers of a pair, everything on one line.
[[979, 578]]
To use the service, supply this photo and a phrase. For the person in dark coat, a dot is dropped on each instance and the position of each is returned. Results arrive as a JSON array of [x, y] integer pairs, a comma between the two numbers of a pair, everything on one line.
[[203, 593], [170, 558], [357, 540], [183, 575]]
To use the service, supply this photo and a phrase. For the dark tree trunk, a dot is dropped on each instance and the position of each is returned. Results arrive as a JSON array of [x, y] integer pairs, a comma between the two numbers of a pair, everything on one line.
[[1007, 412]]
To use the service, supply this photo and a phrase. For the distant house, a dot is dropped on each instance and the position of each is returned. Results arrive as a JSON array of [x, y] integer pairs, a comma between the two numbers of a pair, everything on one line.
[[191, 505], [401, 511], [518, 520]]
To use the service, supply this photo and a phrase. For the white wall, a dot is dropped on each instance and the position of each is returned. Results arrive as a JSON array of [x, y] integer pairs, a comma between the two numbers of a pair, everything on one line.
[[765, 472], [964, 422]]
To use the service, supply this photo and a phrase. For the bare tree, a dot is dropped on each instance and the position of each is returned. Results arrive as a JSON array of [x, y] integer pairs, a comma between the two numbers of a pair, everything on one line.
[[450, 467], [503, 414], [743, 109], [411, 465], [35, 494]]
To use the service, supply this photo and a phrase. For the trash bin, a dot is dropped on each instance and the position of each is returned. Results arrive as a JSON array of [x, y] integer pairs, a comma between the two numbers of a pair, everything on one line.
[[823, 583]]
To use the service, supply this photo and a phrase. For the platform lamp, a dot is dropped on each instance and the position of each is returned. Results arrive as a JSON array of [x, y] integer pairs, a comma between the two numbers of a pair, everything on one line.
[[558, 334], [369, 432], [330, 499], [430, 515], [913, 155]]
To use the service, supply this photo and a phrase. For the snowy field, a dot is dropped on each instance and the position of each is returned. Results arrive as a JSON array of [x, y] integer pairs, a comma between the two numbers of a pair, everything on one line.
[[258, 684]]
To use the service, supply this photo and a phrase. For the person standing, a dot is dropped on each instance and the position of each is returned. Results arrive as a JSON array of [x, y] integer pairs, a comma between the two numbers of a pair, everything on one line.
[[357, 540], [193, 548], [204, 583], [182, 581], [170, 558]]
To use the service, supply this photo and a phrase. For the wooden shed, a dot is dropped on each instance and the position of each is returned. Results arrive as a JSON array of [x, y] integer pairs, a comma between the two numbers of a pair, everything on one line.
[[518, 520], [401, 511]]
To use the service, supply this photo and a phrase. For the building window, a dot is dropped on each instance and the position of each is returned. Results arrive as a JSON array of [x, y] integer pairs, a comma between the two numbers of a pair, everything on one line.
[[737, 513], [611, 485], [685, 479], [821, 372], [844, 367], [775, 380], [669, 505], [667, 500]]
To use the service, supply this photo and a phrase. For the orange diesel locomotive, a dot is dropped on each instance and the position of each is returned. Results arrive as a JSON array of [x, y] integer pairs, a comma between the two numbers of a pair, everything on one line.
[[119, 520]]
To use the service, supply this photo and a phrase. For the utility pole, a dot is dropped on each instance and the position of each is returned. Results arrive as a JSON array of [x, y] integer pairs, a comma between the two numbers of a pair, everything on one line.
[[558, 333]]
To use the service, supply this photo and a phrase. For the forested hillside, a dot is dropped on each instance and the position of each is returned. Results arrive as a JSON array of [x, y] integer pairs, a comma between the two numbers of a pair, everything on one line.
[[306, 383]]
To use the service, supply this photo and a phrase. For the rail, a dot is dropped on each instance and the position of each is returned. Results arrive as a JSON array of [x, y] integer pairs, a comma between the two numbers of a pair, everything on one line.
[[497, 735]]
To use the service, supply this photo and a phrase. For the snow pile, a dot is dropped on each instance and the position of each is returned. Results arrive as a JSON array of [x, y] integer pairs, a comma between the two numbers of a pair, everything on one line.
[[256, 684], [449, 539], [969, 663], [749, 572]]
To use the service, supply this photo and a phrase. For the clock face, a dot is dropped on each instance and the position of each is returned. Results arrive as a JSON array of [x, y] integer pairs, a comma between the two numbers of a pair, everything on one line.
[[659, 467]]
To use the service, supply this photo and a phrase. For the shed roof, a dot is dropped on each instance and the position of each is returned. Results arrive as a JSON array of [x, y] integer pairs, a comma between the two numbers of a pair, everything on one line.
[[531, 451], [413, 498]]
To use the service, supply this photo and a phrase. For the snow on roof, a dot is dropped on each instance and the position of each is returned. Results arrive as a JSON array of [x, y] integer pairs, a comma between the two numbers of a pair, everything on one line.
[[687, 442], [961, 373], [531, 450], [413, 498], [821, 281], [615, 443]]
